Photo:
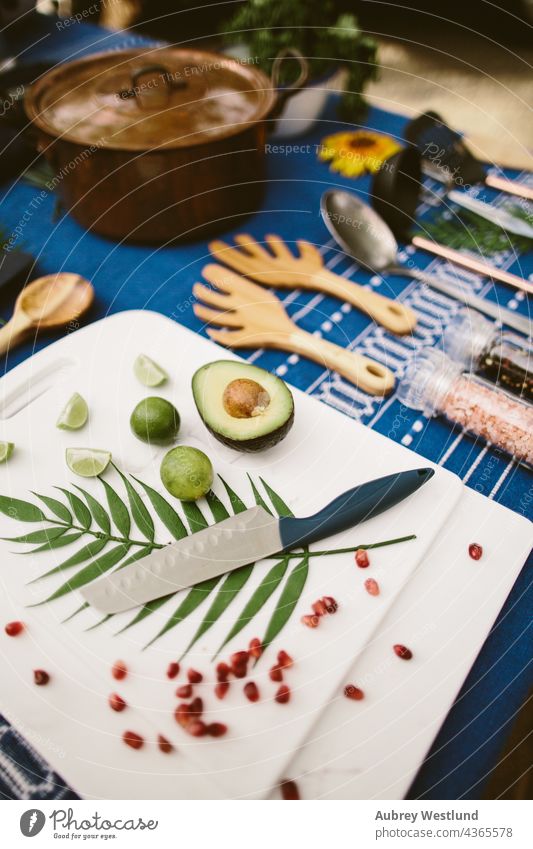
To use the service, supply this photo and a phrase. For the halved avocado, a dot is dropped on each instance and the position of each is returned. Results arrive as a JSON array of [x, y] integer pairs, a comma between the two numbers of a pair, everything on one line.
[[242, 405]]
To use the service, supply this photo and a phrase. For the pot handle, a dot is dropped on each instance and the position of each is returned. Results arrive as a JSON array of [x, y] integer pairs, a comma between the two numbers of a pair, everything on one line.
[[126, 93], [285, 92]]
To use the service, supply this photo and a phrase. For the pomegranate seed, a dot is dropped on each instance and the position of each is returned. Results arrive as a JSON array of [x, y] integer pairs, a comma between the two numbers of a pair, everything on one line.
[[475, 551], [197, 728], [40, 677], [289, 790], [372, 586], [217, 729], [184, 692], [255, 649], [239, 662], [251, 691], [119, 670], [319, 608], [173, 670], [403, 652], [330, 604], [284, 659], [310, 620], [276, 673], [194, 676], [283, 695], [135, 741], [196, 707], [361, 558], [182, 715], [353, 692], [164, 744], [223, 671], [221, 689], [13, 629], [116, 702]]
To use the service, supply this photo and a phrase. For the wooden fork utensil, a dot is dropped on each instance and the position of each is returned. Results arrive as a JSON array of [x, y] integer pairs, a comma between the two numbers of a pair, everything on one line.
[[279, 267], [255, 318]]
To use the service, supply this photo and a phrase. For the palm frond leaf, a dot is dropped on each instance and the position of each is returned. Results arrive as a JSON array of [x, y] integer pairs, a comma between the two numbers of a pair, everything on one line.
[[81, 512]]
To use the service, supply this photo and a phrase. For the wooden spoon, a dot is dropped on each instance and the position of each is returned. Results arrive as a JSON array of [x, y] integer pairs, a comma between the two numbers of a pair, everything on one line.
[[49, 302]]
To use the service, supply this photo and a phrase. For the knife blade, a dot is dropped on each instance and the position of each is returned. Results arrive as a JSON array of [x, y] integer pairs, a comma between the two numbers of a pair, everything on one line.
[[244, 538]]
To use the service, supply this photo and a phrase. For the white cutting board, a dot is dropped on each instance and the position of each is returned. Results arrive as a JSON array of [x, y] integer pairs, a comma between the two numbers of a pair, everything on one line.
[[324, 454]]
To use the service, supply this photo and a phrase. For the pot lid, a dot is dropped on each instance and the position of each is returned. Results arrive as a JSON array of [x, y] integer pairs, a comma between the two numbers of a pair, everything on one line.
[[143, 99]]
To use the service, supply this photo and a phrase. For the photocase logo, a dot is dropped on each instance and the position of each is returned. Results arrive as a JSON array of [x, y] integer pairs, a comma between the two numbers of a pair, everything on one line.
[[32, 822]]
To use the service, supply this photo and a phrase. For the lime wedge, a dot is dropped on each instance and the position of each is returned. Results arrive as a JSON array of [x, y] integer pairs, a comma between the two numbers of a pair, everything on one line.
[[87, 462], [6, 450], [148, 372], [74, 414]]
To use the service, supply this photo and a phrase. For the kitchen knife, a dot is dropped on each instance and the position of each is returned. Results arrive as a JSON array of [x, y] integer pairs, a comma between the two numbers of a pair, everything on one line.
[[244, 538]]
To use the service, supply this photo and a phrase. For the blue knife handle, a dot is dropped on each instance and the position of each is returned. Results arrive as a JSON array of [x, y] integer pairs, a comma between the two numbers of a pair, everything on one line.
[[352, 507]]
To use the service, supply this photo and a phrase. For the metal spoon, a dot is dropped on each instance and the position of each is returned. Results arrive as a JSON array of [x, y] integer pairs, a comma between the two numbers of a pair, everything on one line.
[[46, 303], [363, 234]]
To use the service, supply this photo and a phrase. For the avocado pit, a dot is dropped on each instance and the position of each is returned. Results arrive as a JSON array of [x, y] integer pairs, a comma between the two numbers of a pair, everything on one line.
[[244, 398]]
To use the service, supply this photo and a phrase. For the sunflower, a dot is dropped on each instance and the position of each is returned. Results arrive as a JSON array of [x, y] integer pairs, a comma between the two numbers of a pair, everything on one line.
[[354, 153]]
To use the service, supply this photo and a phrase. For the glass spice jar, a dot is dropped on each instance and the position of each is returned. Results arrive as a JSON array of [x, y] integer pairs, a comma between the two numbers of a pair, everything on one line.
[[503, 357], [436, 385]]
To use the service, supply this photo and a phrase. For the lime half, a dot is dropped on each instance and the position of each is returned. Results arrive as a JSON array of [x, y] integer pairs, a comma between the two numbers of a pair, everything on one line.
[[74, 414], [148, 372], [87, 462], [6, 450]]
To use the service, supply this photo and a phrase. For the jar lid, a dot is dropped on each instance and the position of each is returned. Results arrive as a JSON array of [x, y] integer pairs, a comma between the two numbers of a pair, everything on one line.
[[149, 98], [467, 336], [427, 379]]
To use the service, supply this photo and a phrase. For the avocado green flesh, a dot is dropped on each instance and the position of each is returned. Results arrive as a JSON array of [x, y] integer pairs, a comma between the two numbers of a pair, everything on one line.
[[246, 434]]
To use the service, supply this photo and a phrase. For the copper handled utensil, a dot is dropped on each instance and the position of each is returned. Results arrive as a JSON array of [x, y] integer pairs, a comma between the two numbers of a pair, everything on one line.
[[46, 303], [279, 267], [363, 234], [256, 319]]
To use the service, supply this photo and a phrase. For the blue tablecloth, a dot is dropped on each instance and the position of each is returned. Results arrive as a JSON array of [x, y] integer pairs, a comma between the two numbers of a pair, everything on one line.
[[128, 277]]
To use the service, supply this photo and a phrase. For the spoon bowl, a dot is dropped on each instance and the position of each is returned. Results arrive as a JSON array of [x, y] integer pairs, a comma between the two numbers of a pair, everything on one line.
[[359, 230], [46, 303]]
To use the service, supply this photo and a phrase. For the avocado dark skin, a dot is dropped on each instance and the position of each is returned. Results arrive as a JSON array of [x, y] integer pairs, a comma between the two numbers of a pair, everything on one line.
[[260, 443]]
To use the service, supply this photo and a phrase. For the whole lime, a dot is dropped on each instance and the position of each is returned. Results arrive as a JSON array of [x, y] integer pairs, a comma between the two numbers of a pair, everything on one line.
[[155, 420], [187, 473]]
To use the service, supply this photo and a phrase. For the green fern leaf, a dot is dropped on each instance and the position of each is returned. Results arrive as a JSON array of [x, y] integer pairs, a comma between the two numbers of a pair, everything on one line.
[[279, 505], [89, 573], [194, 516], [79, 509], [237, 504], [216, 506], [90, 550], [259, 500], [140, 514], [259, 598], [288, 600], [21, 511], [100, 516], [165, 511], [57, 507], [58, 542], [45, 535], [117, 508], [192, 600]]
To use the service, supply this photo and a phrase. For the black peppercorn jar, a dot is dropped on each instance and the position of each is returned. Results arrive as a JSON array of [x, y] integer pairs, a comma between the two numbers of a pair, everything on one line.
[[503, 357]]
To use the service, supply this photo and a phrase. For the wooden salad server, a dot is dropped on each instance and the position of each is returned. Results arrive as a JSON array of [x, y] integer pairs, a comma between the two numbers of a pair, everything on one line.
[[46, 303], [279, 267], [256, 319]]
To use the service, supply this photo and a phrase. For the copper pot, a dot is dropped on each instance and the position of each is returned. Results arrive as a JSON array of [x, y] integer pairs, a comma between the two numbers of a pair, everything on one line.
[[160, 144]]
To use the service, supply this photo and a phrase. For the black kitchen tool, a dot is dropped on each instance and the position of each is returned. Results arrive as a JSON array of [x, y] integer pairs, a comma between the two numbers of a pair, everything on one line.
[[396, 191], [447, 158]]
